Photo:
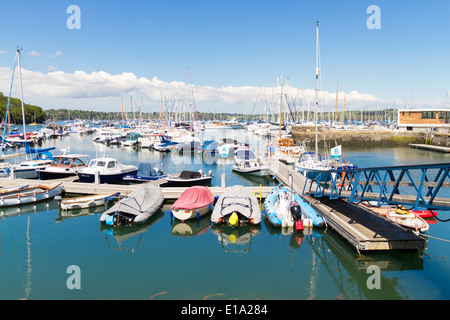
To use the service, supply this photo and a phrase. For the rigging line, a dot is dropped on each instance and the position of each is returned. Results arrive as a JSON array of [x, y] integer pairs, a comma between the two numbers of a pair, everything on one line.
[[427, 235], [7, 107]]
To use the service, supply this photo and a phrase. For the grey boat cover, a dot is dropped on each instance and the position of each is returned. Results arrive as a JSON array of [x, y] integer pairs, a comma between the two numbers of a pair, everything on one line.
[[142, 203], [237, 199]]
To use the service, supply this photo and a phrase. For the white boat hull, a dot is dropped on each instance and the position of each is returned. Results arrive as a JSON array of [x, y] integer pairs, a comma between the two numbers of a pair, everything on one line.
[[85, 202], [30, 195], [184, 214], [255, 171]]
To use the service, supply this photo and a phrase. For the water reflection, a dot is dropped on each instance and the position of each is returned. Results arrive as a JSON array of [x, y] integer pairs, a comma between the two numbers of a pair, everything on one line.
[[235, 239], [28, 209], [129, 236], [192, 227], [349, 270]]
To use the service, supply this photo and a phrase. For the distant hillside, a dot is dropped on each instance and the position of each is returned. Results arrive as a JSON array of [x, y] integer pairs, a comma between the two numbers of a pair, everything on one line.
[[32, 113]]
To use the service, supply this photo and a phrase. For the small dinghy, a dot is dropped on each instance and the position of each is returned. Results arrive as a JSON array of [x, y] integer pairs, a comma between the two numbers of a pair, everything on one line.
[[285, 209], [235, 206], [30, 195], [282, 208], [385, 209], [137, 208], [85, 202], [408, 220], [193, 203]]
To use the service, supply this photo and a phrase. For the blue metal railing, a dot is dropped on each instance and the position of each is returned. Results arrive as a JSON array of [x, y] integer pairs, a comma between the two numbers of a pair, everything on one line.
[[418, 185]]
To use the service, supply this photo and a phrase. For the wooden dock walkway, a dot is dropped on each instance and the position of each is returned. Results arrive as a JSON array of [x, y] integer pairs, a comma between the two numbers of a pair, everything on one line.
[[430, 147], [170, 193], [361, 227]]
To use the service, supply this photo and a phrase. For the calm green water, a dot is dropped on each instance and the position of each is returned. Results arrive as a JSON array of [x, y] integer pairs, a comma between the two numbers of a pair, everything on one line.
[[165, 259]]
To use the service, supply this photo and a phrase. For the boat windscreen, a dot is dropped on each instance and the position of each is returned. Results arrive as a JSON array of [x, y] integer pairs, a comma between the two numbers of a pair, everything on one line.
[[245, 155], [190, 175]]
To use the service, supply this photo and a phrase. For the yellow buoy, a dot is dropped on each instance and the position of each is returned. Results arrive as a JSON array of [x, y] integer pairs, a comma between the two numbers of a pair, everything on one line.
[[234, 219]]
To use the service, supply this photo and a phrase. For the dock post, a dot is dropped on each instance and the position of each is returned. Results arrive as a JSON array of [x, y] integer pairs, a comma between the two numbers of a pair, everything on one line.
[[223, 180], [97, 177], [12, 173]]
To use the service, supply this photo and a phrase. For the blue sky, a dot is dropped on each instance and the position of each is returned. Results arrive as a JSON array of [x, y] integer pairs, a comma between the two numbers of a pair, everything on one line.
[[226, 44]]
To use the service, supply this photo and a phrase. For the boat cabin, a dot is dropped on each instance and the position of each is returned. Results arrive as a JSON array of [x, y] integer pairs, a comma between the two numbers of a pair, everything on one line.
[[108, 163], [68, 161]]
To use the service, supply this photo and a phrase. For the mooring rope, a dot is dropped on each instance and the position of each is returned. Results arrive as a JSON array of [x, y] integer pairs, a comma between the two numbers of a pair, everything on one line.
[[426, 235]]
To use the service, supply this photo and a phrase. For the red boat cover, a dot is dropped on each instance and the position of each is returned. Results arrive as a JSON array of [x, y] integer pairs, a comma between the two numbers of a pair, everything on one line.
[[193, 198]]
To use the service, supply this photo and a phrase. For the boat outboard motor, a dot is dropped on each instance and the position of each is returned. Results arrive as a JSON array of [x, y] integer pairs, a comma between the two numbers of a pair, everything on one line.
[[295, 210]]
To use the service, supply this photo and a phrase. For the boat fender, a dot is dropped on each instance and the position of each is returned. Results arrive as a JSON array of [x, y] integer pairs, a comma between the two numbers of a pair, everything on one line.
[[234, 219], [299, 225], [198, 215], [109, 220], [211, 206], [171, 214]]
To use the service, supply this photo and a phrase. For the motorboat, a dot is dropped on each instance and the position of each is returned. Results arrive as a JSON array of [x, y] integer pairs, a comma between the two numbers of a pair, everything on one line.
[[246, 162], [146, 172], [30, 194], [210, 147], [137, 208], [108, 169], [63, 166], [193, 203], [236, 206], [131, 139], [188, 178], [232, 144], [27, 169], [188, 147]]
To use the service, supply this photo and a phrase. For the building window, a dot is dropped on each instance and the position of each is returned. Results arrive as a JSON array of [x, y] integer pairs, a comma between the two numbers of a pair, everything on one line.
[[441, 115], [428, 115]]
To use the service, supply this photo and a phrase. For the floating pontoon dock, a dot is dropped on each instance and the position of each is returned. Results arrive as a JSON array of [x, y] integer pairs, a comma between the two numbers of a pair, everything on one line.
[[362, 228]]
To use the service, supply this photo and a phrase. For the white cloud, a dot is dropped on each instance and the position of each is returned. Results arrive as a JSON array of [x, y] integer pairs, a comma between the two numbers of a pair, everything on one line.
[[56, 54], [2, 52], [35, 54], [79, 90]]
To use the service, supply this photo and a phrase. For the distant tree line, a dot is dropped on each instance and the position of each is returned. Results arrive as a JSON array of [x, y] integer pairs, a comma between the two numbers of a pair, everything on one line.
[[32, 113], [37, 114]]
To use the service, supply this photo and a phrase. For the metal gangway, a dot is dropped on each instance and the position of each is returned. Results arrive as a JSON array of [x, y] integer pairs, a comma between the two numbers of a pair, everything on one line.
[[424, 187]]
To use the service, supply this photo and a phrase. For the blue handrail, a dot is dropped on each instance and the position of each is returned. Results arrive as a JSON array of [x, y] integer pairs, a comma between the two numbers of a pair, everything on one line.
[[420, 184]]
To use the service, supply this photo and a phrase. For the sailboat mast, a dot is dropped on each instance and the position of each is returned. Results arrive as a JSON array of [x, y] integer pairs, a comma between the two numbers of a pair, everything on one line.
[[281, 108], [317, 87], [21, 102], [337, 95]]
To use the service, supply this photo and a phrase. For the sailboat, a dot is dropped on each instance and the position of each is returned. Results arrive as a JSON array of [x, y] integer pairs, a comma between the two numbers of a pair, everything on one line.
[[310, 163], [26, 169]]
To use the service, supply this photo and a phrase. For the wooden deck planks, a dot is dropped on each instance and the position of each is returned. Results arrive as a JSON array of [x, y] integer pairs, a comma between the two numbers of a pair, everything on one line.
[[361, 227]]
